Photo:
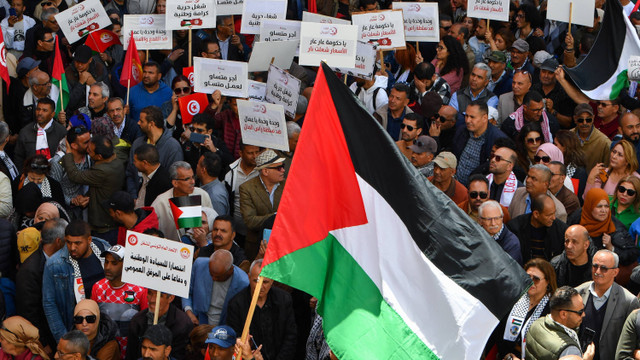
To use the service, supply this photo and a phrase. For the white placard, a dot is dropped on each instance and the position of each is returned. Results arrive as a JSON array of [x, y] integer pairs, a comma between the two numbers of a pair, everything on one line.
[[254, 11], [263, 124], [157, 263], [148, 31], [421, 21], [332, 43], [489, 9], [385, 27], [257, 90], [190, 14], [582, 11], [323, 19], [229, 7], [230, 77], [282, 55], [81, 19], [365, 62], [280, 30], [284, 89], [634, 68]]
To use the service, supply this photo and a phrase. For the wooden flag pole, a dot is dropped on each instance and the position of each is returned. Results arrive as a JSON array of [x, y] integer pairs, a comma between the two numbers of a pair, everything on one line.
[[128, 88], [157, 310], [146, 56], [488, 22], [189, 47], [381, 56], [570, 16], [252, 307]]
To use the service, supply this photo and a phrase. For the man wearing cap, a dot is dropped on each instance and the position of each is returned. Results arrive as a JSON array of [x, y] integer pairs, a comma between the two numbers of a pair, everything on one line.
[[411, 128], [510, 101], [220, 345], [443, 170], [115, 298], [520, 56], [476, 91], [595, 144], [156, 343], [122, 210], [260, 197], [557, 102], [14, 28], [81, 74], [423, 150], [501, 76]]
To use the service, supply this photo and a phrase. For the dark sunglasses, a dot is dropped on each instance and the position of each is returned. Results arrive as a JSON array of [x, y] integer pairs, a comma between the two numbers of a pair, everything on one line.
[[182, 90], [534, 140], [584, 120], [579, 312], [500, 158], [601, 267], [409, 127], [279, 167], [474, 194], [629, 192], [544, 159], [46, 3], [534, 278], [80, 319], [445, 27]]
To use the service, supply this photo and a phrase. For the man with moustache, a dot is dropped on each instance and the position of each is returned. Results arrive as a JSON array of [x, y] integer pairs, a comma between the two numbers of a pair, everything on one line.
[[573, 266]]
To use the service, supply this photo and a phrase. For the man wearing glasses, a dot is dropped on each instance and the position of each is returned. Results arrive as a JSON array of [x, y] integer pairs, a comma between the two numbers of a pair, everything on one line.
[[595, 144], [606, 304], [73, 345], [478, 195]]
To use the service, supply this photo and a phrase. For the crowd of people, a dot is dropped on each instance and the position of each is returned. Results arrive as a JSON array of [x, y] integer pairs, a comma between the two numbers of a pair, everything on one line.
[[486, 115]]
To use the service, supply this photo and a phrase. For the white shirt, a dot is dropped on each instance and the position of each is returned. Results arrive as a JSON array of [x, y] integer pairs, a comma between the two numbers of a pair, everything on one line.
[[599, 301]]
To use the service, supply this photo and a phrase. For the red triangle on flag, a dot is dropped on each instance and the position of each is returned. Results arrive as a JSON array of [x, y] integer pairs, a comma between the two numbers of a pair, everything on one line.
[[176, 212]]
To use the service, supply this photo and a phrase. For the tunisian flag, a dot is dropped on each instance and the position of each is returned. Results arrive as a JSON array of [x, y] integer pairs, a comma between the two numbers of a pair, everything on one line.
[[192, 105], [4, 73], [101, 40], [132, 68]]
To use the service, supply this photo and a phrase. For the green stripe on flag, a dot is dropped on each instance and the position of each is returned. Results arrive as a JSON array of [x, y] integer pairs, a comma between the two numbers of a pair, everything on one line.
[[64, 92], [622, 81], [189, 222], [355, 315]]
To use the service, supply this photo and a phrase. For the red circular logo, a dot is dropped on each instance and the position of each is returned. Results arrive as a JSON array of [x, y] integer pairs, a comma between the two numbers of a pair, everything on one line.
[[193, 107], [133, 240]]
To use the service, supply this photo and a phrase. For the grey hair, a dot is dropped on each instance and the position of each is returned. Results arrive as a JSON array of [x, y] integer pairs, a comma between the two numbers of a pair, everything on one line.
[[173, 169], [292, 128], [616, 258], [78, 342], [223, 255], [33, 79], [490, 204], [104, 89], [4, 131], [48, 12], [544, 169], [114, 99], [485, 67], [257, 262], [56, 231]]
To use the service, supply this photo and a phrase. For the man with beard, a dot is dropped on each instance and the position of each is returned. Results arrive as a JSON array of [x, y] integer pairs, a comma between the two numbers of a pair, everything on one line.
[[410, 129], [478, 42], [629, 129], [558, 103], [478, 195], [423, 150], [223, 237], [150, 91]]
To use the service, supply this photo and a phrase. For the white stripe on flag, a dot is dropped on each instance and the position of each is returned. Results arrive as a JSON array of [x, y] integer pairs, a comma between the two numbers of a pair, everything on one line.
[[191, 211]]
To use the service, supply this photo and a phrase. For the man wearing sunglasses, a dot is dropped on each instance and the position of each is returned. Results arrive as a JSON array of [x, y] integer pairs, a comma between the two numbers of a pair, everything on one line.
[[410, 129], [606, 304], [595, 144], [567, 197], [478, 195]]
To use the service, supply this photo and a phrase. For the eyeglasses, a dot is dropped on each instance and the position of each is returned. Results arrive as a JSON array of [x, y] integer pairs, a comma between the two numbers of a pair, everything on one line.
[[409, 127], [584, 120], [534, 278], [50, 40], [182, 90], [623, 189], [579, 312], [491, 219], [441, 118], [446, 28], [214, 52], [46, 3], [279, 167], [500, 158], [474, 194], [534, 140], [544, 159], [80, 319], [61, 354], [187, 178], [602, 268]]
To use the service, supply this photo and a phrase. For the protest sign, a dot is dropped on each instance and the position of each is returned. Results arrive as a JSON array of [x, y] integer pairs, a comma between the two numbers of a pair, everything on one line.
[[157, 263], [264, 52], [386, 27], [332, 43], [280, 30], [79, 20], [284, 89], [365, 62], [257, 90], [317, 18], [421, 20], [254, 11], [581, 12], [190, 14], [634, 68], [149, 32], [488, 9], [230, 77], [229, 7], [263, 124]]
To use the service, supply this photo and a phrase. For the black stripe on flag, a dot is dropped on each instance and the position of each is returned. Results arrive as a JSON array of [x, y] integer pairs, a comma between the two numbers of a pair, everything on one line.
[[182, 201], [459, 247]]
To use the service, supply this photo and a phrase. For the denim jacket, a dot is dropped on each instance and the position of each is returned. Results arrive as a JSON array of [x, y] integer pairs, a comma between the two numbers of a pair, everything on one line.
[[58, 299]]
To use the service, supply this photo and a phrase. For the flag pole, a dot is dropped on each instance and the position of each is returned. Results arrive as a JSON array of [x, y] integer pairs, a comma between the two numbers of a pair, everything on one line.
[[189, 46], [157, 310], [128, 88], [570, 16], [252, 308], [488, 22], [381, 56]]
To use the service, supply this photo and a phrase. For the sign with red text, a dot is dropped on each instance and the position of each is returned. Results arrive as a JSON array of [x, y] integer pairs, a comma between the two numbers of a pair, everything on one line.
[[386, 27], [190, 14], [148, 31], [421, 21], [254, 11], [332, 43], [365, 62], [284, 89], [257, 90], [489, 9], [81, 19], [280, 30], [263, 124], [229, 7], [323, 19], [582, 12], [230, 77], [157, 263]]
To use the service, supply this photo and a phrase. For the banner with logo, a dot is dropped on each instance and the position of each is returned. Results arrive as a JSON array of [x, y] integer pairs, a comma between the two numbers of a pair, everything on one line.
[[263, 124], [365, 62], [421, 21], [284, 89], [280, 30], [190, 14], [254, 11], [230, 77], [323, 19], [192, 105], [157, 263], [332, 43], [81, 19], [257, 90], [149, 31], [264, 52], [492, 9], [229, 7], [386, 27]]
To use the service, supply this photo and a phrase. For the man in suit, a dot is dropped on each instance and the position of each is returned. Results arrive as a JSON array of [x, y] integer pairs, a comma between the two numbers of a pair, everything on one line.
[[538, 181], [257, 205], [155, 178], [606, 304]]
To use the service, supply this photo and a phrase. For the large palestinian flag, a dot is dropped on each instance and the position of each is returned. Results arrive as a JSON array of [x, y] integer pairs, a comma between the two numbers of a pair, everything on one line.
[[603, 73], [399, 270]]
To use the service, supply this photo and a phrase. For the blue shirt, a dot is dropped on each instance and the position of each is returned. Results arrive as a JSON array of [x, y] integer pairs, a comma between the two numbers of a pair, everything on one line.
[[393, 124], [140, 98], [493, 101]]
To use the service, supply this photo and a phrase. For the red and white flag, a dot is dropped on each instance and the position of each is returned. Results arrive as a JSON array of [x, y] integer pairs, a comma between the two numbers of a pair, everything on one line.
[[192, 105]]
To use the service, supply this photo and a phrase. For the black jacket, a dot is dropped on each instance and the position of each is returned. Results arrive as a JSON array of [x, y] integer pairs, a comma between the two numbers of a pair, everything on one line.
[[26, 145], [561, 265], [553, 242], [107, 331], [158, 184]]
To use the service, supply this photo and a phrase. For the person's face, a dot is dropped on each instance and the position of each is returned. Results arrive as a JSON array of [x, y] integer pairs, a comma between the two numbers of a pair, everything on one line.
[[226, 28], [222, 234], [43, 87], [474, 119], [606, 109], [603, 269], [455, 30], [96, 101], [65, 352], [481, 192], [623, 197], [35, 178], [117, 29], [217, 352], [601, 211], [81, 66], [165, 301], [547, 77], [503, 165], [233, 105], [151, 351], [557, 180], [558, 145], [517, 57], [185, 183], [89, 329], [81, 145], [535, 183], [397, 100], [112, 267], [617, 159], [150, 76], [445, 25], [181, 88], [521, 84], [575, 243], [249, 154], [409, 130], [497, 67], [446, 121], [145, 126], [51, 24], [47, 43], [548, 214], [442, 175], [574, 320], [139, 164], [91, 150], [201, 129], [533, 110], [275, 173], [521, 21], [540, 283], [442, 53], [468, 23], [213, 51], [630, 127], [161, 7], [584, 122], [115, 110], [293, 141], [205, 223], [421, 159], [491, 220], [17, 4], [253, 281], [10, 349], [478, 79], [369, 7], [500, 43], [78, 246]]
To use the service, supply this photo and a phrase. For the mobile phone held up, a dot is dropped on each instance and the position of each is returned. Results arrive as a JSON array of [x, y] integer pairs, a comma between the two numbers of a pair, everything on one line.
[[197, 138]]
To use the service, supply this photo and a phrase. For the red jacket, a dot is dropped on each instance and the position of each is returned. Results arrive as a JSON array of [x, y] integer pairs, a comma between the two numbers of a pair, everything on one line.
[[229, 123], [147, 219]]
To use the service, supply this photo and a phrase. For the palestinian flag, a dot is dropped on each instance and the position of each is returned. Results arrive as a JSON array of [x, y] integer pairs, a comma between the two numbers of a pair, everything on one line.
[[603, 73], [400, 272], [59, 79], [187, 211]]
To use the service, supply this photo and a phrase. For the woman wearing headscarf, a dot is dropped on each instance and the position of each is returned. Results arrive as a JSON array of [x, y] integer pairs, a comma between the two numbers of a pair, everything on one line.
[[99, 328], [19, 340], [547, 153]]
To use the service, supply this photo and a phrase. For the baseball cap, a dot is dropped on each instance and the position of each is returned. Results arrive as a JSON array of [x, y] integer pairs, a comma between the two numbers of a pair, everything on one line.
[[424, 143], [158, 335], [583, 108], [222, 335], [120, 200], [498, 56], [267, 158], [446, 160], [28, 242], [550, 64], [25, 65], [82, 54], [115, 250], [520, 45]]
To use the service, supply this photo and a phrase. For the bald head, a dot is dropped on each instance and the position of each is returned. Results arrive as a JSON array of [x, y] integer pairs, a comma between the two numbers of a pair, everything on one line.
[[221, 265], [576, 244], [629, 127], [449, 113]]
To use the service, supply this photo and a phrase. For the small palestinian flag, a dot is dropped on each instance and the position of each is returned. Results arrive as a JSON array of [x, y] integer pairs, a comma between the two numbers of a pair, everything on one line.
[[187, 211], [130, 296]]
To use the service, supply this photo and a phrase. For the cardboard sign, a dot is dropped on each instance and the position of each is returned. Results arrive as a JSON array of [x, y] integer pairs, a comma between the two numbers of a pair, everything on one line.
[[257, 90], [263, 124], [284, 89], [157, 263], [280, 30], [490, 9], [230, 77], [331, 43], [582, 11], [263, 52], [190, 14], [229, 7], [254, 11], [421, 21], [81, 19], [385, 27], [323, 19], [149, 32], [634, 68], [365, 62]]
